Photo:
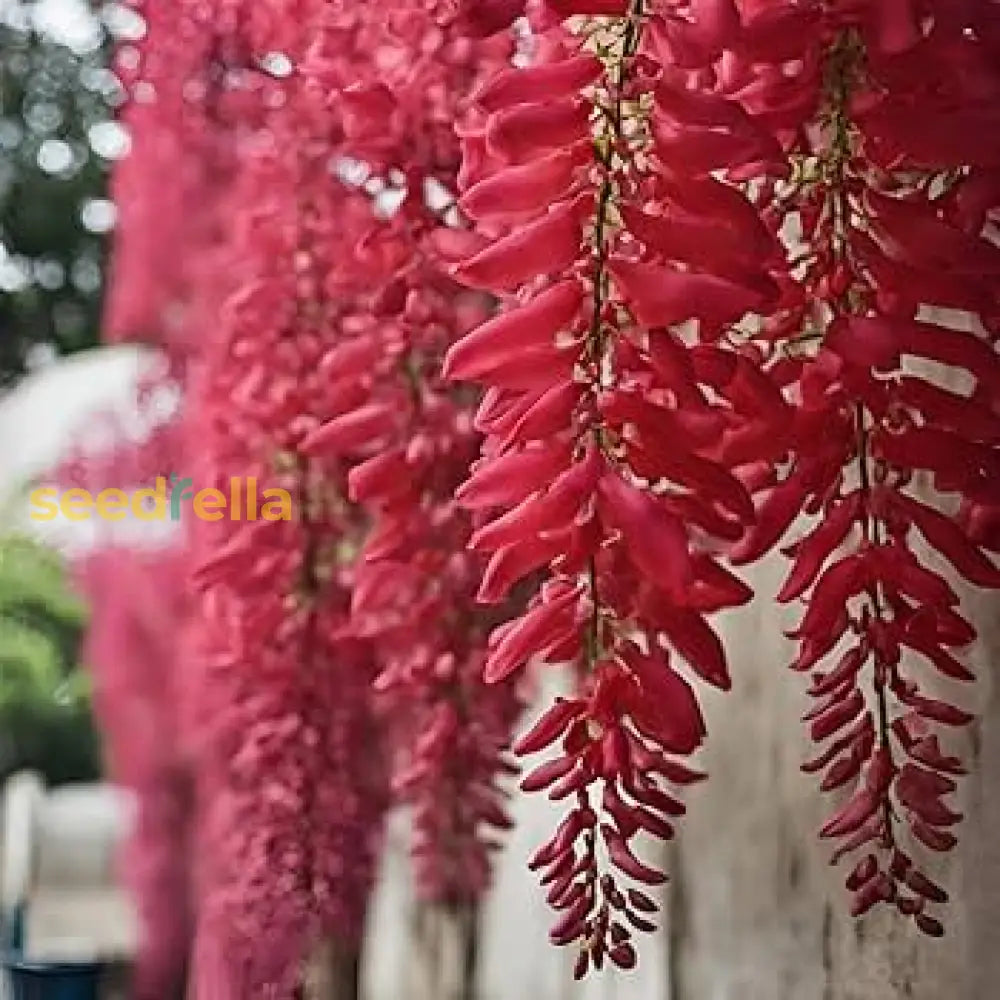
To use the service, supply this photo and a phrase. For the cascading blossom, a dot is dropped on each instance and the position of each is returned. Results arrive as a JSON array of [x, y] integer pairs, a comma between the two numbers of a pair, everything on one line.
[[174, 168], [290, 818], [139, 599], [415, 594], [608, 239], [884, 342], [407, 434], [134, 586], [137, 604]]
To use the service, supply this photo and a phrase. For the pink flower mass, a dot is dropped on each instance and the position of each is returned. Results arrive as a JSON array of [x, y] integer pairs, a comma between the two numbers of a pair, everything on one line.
[[551, 317]]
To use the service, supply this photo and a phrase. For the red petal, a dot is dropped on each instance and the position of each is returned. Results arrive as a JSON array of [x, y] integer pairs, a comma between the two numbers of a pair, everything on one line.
[[545, 82], [774, 517], [530, 633], [549, 727], [622, 858], [532, 325], [864, 342], [380, 477], [655, 540], [695, 640], [505, 479], [838, 716], [951, 541], [513, 563], [661, 296], [814, 550], [352, 431], [525, 131], [851, 815], [526, 190], [665, 708], [548, 245]]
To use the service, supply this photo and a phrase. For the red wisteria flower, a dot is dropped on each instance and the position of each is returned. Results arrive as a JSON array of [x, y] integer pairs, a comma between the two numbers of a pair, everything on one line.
[[884, 344], [605, 404]]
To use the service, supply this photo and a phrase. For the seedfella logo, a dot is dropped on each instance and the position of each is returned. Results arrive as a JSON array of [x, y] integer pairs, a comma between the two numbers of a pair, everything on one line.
[[244, 502]]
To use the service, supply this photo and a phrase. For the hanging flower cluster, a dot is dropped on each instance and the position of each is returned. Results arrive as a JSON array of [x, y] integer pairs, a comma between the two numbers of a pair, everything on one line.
[[171, 169], [291, 816], [415, 586], [178, 101], [137, 602], [611, 244], [884, 339], [407, 434], [276, 693]]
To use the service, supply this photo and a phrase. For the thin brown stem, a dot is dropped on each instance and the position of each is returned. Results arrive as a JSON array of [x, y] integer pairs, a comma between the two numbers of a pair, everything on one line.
[[842, 71], [596, 344]]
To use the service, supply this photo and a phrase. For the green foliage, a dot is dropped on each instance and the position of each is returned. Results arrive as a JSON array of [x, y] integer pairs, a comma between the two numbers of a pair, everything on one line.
[[45, 721], [56, 102]]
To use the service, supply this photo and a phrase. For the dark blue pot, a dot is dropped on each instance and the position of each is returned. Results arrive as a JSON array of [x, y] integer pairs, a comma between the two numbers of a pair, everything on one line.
[[52, 980]]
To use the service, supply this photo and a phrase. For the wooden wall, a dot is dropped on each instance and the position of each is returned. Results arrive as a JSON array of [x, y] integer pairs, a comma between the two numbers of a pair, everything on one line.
[[753, 910]]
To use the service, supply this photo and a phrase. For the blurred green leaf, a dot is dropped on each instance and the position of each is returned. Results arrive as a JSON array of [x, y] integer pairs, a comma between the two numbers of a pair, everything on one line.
[[45, 721]]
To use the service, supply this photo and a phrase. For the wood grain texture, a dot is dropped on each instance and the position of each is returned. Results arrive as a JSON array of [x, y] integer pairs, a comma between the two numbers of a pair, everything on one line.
[[756, 912]]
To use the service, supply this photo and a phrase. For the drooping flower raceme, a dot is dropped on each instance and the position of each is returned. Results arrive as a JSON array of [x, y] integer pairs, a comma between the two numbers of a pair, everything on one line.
[[409, 435], [291, 813], [134, 586], [609, 240], [137, 605], [884, 341]]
